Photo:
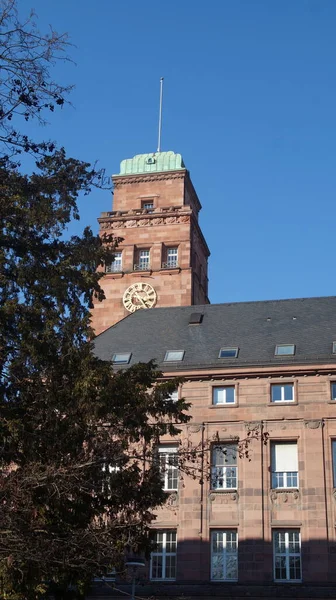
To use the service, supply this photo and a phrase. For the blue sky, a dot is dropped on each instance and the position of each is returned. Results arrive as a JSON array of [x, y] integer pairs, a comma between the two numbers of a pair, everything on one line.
[[250, 103]]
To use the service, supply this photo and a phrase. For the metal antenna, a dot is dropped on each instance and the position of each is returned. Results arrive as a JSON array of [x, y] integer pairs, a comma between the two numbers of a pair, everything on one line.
[[160, 115]]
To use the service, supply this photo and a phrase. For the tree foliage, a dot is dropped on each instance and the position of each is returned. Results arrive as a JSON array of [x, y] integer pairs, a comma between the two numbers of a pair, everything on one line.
[[27, 90], [76, 488], [74, 492]]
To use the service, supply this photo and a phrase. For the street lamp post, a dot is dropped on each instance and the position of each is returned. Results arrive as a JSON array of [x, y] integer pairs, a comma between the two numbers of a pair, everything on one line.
[[133, 565]]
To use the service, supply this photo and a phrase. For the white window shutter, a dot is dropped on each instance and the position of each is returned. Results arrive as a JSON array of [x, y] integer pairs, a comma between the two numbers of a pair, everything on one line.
[[284, 457]]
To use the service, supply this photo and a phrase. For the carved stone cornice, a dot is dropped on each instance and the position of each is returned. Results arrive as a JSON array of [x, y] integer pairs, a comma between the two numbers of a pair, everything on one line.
[[150, 213], [285, 496], [139, 221], [119, 180]]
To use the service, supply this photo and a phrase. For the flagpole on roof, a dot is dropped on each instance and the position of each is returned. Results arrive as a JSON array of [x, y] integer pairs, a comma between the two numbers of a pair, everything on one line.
[[160, 115]]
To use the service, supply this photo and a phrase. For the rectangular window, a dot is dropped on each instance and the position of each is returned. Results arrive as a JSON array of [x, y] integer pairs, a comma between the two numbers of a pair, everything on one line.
[[142, 258], [334, 347], [282, 392], [168, 456], [287, 555], [171, 258], [143, 264], [121, 358], [148, 205], [224, 467], [173, 355], [223, 395], [333, 390], [163, 557], [173, 396], [284, 350], [228, 353], [116, 264], [284, 458], [333, 448], [224, 555]]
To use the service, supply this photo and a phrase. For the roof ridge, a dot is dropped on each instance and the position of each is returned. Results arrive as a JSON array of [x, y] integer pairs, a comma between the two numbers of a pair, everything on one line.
[[197, 307]]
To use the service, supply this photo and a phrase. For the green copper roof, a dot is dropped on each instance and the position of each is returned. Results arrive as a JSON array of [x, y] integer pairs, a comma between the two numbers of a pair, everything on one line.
[[155, 162]]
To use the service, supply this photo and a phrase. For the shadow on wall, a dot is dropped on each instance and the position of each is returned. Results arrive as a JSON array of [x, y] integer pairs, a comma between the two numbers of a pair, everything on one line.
[[306, 569]]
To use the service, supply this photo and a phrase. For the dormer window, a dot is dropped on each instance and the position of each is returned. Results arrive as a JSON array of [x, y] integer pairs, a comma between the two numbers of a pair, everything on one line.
[[121, 358], [174, 355], [284, 350], [228, 352]]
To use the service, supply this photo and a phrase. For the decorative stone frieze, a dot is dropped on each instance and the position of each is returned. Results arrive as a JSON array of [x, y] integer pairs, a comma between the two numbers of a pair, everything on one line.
[[223, 497], [314, 424], [253, 426], [172, 501], [140, 222], [194, 428], [120, 180], [285, 496]]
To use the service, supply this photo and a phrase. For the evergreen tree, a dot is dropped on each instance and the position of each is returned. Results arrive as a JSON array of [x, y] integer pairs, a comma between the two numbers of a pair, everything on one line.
[[78, 482]]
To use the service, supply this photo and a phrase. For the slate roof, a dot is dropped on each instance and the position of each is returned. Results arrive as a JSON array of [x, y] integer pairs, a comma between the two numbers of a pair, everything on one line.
[[254, 327]]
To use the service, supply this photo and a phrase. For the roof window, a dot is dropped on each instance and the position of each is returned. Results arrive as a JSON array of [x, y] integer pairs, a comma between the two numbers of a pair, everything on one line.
[[228, 352], [121, 358], [334, 347], [173, 355], [284, 350], [195, 318]]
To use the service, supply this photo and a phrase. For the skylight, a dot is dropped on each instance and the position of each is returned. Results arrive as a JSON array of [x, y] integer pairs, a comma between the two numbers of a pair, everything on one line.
[[284, 350], [195, 318], [228, 352], [173, 355], [121, 358], [334, 347]]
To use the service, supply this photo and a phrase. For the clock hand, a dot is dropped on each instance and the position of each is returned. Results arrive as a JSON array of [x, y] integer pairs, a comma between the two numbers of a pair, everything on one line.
[[141, 300]]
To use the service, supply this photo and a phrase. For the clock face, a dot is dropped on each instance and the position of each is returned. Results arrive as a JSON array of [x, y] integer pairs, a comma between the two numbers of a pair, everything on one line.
[[139, 295]]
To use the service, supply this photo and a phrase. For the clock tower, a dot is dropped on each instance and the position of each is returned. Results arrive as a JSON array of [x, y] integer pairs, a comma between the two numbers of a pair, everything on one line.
[[163, 258]]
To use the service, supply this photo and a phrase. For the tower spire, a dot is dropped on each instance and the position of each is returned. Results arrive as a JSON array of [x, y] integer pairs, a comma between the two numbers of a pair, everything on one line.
[[160, 115]]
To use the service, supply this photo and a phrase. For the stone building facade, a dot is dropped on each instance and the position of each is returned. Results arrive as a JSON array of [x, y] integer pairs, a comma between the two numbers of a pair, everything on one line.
[[155, 213], [262, 525], [256, 524]]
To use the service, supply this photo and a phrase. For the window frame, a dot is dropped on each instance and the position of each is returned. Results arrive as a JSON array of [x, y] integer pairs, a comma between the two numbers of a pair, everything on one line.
[[333, 460], [174, 264], [332, 395], [169, 471], [166, 359], [234, 349], [146, 263], [285, 474], [111, 268], [287, 554], [223, 387], [147, 205], [280, 354], [121, 362], [282, 384], [164, 554], [224, 554], [222, 471]]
